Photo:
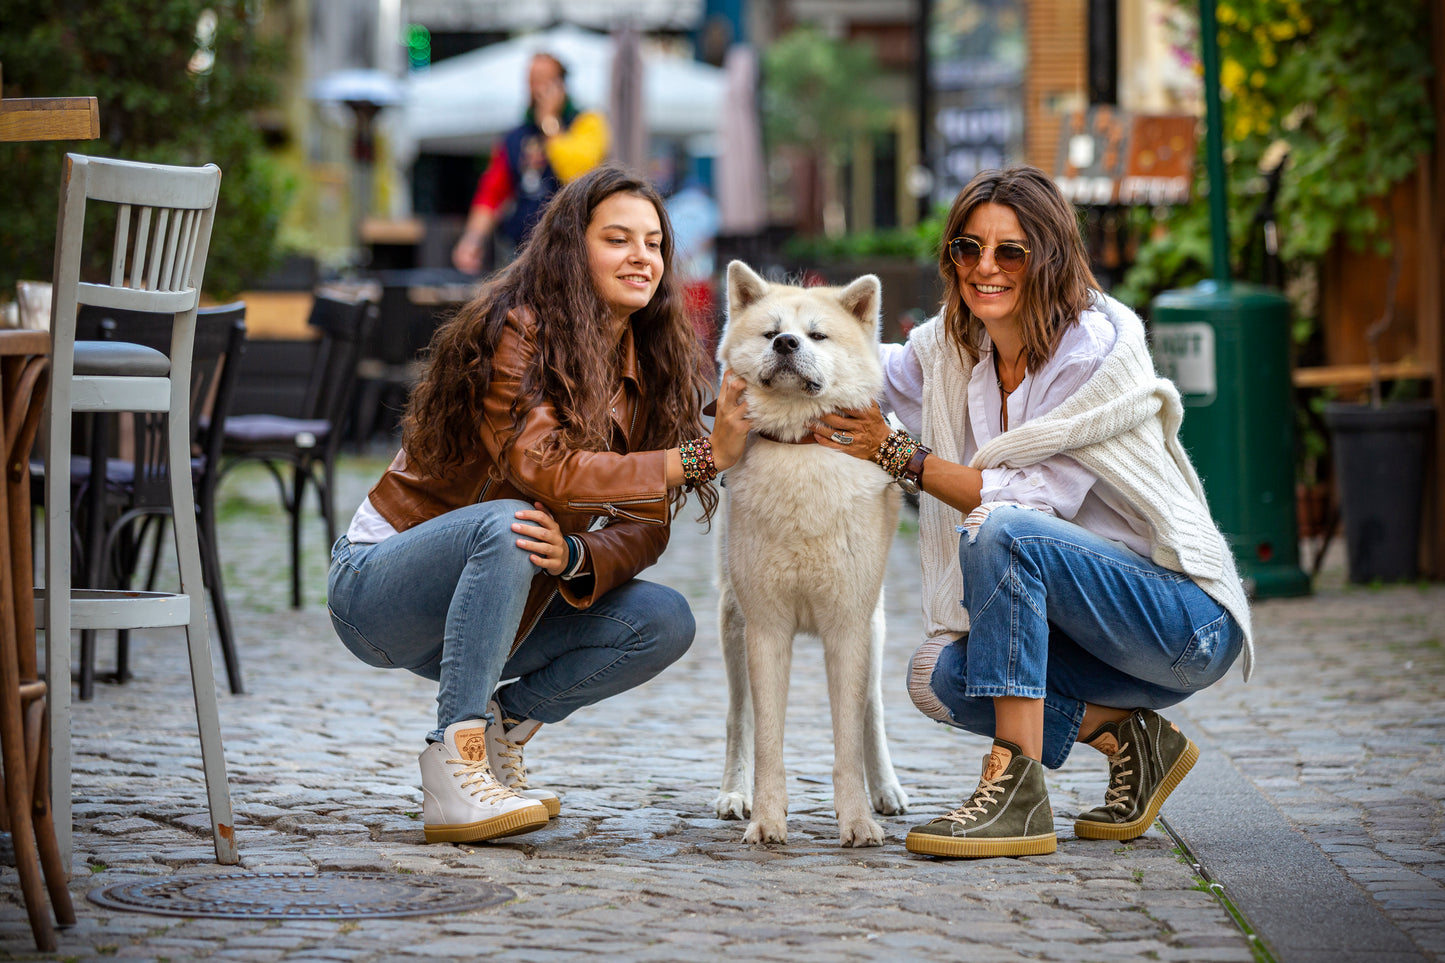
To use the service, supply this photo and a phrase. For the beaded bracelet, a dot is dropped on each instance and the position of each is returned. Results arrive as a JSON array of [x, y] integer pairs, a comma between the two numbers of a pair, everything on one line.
[[697, 464], [576, 555], [895, 452]]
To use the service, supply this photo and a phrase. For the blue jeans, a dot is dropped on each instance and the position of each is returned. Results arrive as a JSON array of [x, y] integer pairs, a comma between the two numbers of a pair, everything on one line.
[[445, 600], [1060, 614]]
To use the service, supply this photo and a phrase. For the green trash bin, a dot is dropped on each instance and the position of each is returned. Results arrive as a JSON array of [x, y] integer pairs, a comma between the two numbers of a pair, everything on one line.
[[1226, 346]]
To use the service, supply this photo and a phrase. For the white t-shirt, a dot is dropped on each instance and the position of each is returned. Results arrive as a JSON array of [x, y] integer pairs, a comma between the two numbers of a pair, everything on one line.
[[1059, 484], [368, 526]]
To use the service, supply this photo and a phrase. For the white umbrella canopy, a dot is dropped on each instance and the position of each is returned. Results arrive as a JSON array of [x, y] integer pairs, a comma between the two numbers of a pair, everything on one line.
[[463, 104], [358, 85]]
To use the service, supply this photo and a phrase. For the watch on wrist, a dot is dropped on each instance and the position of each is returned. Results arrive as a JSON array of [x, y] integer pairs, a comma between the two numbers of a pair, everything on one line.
[[911, 481]]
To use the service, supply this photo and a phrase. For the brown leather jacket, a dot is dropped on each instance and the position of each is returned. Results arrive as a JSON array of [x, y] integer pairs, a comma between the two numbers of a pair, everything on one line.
[[627, 489]]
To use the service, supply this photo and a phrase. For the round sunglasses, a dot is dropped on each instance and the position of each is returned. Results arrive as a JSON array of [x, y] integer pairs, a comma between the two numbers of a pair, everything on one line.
[[1010, 256]]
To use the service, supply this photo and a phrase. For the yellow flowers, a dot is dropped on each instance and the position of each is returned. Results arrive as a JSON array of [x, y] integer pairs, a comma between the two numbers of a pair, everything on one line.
[[1253, 36], [1231, 75]]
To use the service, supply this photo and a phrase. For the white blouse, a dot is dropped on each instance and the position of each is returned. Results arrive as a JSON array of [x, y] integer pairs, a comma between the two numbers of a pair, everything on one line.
[[1058, 485]]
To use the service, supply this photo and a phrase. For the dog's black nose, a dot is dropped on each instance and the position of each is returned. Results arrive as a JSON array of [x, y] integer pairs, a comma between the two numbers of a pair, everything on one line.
[[785, 343]]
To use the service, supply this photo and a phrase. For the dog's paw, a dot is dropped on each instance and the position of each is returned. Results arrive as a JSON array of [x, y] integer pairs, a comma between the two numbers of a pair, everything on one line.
[[890, 799], [767, 831], [732, 805], [860, 832]]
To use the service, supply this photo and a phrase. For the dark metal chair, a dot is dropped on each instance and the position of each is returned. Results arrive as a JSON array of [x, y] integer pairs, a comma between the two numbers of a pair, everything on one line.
[[308, 443], [118, 517], [414, 302]]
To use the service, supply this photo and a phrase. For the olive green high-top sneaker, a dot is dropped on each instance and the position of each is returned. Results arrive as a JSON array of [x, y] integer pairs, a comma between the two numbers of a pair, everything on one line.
[[1008, 814], [1148, 757]]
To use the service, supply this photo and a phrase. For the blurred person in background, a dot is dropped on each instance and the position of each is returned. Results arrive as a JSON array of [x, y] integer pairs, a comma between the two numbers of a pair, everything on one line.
[[695, 221], [555, 143]]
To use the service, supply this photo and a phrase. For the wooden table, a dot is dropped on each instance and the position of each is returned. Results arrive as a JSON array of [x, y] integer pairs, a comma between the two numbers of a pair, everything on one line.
[[24, 377], [48, 118]]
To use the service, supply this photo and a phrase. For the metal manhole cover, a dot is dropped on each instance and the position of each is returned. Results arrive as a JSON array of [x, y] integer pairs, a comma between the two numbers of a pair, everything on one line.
[[232, 896]]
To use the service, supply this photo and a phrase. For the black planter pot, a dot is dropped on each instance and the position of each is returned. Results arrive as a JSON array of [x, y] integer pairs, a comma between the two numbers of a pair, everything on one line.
[[1380, 457]]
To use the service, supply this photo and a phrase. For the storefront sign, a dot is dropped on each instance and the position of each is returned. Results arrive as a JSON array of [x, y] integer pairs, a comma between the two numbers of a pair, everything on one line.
[[1106, 156]]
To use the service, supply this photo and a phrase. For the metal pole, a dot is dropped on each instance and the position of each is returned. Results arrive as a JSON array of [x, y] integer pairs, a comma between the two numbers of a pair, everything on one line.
[[1214, 143], [923, 90]]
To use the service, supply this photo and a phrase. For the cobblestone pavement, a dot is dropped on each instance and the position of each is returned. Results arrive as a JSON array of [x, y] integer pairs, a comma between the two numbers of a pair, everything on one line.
[[1341, 731]]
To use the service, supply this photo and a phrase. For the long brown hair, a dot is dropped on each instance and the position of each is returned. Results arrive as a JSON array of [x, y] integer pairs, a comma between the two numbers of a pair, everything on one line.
[[575, 367], [1056, 285]]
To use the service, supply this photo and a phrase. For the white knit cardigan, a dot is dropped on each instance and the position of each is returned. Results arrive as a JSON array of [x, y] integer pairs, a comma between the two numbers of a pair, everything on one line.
[[1122, 425]]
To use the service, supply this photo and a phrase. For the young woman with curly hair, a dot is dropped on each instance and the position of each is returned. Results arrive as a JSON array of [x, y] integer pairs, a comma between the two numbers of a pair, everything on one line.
[[1095, 586], [554, 434]]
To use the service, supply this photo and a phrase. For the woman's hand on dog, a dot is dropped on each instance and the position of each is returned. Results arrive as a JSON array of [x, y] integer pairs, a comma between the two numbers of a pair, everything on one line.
[[730, 425], [543, 538], [859, 432]]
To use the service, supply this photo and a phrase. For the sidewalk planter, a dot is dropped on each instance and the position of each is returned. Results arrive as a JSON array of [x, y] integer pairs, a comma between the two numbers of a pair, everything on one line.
[[1381, 457]]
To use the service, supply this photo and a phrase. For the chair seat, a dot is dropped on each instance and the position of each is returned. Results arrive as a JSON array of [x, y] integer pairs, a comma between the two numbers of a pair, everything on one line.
[[120, 358], [269, 431], [119, 472]]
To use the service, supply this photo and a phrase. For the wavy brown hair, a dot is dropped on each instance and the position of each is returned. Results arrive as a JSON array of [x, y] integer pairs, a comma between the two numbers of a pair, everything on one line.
[[575, 368], [1056, 285]]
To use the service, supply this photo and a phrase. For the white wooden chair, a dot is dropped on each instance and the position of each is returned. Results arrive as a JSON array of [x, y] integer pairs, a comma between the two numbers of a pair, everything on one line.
[[155, 260]]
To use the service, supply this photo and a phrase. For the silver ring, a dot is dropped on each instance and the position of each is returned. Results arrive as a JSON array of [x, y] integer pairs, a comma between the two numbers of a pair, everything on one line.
[[841, 439]]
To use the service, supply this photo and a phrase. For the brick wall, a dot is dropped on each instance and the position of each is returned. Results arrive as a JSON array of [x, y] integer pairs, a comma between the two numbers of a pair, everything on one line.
[[1054, 82]]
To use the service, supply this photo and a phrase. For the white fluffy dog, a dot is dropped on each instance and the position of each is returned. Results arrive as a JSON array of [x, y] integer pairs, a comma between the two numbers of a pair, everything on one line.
[[804, 545]]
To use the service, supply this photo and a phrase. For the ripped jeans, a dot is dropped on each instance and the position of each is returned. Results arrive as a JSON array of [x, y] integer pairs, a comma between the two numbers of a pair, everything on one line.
[[1067, 616]]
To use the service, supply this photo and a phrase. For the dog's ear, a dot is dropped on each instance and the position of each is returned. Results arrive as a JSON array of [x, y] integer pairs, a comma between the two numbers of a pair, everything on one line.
[[863, 299], [744, 286]]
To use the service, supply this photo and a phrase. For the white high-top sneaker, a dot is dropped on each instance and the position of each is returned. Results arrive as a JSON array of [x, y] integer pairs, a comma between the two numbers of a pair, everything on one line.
[[462, 802], [505, 738]]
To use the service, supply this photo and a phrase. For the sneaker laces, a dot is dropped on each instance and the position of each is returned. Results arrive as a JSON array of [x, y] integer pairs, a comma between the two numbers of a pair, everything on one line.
[[509, 765], [476, 772], [978, 804], [1117, 795]]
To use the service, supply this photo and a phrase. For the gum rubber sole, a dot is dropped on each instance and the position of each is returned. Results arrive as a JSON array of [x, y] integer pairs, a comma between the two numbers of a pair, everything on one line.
[[508, 824], [929, 844], [1093, 829], [553, 804]]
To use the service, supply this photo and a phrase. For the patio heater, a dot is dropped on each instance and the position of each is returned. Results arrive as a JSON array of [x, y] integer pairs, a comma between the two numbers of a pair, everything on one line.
[[364, 92]]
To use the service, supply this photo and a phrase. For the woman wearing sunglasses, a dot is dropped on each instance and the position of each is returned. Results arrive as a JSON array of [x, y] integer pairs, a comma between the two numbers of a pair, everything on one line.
[[1062, 512]]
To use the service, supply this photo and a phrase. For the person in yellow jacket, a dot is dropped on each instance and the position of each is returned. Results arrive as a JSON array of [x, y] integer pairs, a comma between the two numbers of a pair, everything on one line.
[[554, 144]]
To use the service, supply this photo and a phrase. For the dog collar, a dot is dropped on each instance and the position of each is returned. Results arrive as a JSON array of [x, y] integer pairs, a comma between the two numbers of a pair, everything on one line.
[[808, 439]]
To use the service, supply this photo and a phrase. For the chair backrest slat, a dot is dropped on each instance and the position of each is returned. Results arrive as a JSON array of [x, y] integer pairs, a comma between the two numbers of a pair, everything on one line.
[[140, 250], [161, 253], [176, 269], [122, 235]]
